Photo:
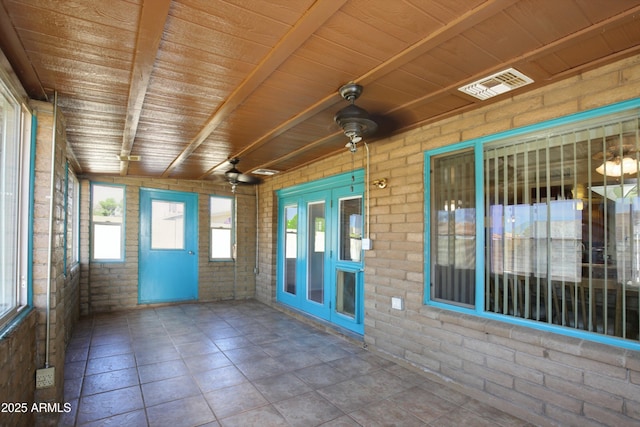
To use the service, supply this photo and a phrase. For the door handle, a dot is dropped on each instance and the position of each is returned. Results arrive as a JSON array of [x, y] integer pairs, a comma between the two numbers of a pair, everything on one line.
[[191, 253]]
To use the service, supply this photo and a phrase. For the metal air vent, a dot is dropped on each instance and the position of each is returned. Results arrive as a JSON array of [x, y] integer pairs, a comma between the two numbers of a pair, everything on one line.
[[267, 172], [496, 84]]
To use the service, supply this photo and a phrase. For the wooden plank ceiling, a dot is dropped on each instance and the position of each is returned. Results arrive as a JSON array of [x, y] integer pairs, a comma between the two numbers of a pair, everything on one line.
[[188, 84]]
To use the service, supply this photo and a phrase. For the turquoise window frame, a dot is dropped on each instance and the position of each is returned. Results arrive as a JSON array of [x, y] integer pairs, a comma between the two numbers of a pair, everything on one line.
[[123, 232], [477, 145]]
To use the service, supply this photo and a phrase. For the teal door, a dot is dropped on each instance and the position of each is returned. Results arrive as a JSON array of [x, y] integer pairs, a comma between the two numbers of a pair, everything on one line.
[[168, 261], [320, 263]]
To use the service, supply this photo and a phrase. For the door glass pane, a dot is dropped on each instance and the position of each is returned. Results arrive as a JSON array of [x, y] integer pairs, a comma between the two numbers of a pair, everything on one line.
[[167, 225], [315, 270], [351, 229], [290, 248], [346, 293]]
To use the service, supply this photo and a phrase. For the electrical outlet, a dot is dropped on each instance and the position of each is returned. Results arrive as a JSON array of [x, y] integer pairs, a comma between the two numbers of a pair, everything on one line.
[[397, 303], [45, 377]]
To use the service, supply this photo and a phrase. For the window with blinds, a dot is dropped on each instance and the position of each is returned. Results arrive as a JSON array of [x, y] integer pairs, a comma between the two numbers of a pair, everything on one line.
[[561, 215], [453, 238]]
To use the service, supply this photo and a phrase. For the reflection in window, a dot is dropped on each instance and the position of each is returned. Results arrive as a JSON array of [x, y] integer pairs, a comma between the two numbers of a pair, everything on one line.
[[562, 227], [221, 227], [561, 215], [107, 217], [453, 238]]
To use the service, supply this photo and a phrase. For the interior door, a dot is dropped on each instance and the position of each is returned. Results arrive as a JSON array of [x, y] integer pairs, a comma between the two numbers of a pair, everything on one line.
[[168, 261]]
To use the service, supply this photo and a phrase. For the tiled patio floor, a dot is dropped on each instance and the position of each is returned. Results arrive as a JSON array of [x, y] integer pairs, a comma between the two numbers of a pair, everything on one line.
[[245, 364]]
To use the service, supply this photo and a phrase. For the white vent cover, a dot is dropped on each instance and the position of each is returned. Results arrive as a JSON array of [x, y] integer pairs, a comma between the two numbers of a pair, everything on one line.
[[267, 172], [496, 84], [125, 158]]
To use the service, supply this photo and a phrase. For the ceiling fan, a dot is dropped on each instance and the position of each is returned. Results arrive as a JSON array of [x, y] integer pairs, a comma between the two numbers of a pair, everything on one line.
[[235, 177], [356, 122]]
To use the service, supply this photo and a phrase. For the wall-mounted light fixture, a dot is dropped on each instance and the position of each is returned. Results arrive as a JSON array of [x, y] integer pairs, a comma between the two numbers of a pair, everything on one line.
[[380, 183]]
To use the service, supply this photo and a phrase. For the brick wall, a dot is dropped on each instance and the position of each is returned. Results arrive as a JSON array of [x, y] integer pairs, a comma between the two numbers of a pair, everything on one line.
[[114, 286], [546, 378], [17, 358], [64, 283]]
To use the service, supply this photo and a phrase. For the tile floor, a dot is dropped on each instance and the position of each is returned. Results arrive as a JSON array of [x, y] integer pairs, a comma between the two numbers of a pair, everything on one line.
[[245, 364]]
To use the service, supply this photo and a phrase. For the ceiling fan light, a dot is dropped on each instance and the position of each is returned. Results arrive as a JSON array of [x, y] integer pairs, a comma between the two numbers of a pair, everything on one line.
[[232, 175], [618, 167]]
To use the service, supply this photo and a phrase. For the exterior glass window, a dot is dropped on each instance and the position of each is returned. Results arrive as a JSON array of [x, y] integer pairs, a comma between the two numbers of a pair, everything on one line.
[[221, 228], [454, 234], [75, 221], [72, 221], [107, 217], [15, 123], [561, 218]]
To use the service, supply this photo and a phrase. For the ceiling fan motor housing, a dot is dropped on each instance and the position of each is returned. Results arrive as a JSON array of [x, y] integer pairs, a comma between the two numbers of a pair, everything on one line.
[[354, 121]]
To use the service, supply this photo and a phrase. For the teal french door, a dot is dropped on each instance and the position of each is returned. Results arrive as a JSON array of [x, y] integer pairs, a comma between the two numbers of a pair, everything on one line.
[[320, 265], [168, 260]]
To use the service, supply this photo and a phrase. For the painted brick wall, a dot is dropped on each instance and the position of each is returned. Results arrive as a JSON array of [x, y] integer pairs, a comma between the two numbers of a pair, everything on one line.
[[114, 286], [543, 377]]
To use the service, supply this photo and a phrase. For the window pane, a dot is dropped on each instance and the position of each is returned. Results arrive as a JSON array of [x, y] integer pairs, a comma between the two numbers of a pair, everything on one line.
[[219, 246], [107, 241], [167, 225], [563, 226], [453, 230], [221, 224], [290, 248], [346, 293], [351, 229], [107, 215], [75, 245], [315, 252], [9, 202]]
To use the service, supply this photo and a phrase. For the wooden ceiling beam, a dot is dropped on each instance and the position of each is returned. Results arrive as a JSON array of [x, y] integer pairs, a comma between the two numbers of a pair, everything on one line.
[[151, 26], [313, 19], [447, 32], [417, 49]]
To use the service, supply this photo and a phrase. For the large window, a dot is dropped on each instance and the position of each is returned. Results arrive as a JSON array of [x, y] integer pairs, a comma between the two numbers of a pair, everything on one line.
[[15, 122], [221, 228], [107, 218], [561, 218]]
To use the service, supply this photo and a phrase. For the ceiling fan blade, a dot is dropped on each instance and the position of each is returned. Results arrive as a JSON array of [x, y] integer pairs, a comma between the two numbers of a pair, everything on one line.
[[234, 176], [248, 179]]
